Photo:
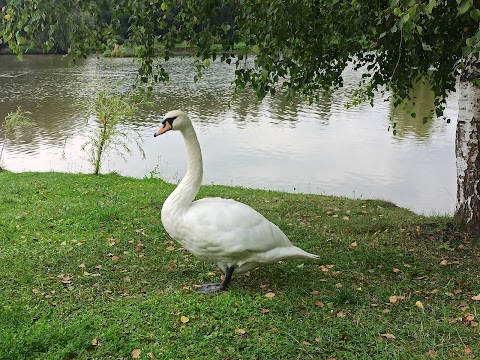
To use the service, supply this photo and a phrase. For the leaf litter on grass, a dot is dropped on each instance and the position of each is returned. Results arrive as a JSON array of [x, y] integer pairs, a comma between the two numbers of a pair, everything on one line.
[[141, 292]]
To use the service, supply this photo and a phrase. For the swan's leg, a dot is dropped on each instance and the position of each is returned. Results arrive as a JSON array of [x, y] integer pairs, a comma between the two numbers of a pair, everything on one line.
[[228, 278], [211, 288]]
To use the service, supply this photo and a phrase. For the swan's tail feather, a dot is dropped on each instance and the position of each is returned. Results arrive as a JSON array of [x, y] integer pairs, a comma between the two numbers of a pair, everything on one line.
[[290, 252]]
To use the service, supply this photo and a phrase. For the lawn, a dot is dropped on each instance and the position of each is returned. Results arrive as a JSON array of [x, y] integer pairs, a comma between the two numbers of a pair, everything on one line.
[[88, 272]]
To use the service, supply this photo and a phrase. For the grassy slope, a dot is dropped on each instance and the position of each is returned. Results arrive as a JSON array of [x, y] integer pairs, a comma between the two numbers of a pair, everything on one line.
[[88, 272]]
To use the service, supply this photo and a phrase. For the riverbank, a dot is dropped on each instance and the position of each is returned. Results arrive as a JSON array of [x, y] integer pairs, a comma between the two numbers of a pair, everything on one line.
[[181, 49], [88, 271]]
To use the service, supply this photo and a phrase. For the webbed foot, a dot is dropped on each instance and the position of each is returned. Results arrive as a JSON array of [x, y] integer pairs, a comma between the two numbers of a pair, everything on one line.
[[210, 288], [213, 288]]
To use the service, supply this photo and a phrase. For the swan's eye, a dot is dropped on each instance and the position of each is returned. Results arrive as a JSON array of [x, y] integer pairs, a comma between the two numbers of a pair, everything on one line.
[[169, 120]]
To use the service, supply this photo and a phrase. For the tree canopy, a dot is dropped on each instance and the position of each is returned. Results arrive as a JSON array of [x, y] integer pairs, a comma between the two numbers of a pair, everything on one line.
[[298, 46]]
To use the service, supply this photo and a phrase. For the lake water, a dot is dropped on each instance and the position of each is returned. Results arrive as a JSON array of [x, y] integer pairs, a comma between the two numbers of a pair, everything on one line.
[[323, 148]]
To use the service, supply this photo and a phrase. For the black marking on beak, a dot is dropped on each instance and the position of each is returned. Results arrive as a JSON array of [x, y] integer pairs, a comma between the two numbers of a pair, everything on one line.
[[164, 122]]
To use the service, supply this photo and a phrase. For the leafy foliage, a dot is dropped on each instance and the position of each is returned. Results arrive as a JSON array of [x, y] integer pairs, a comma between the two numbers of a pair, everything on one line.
[[299, 46], [108, 110]]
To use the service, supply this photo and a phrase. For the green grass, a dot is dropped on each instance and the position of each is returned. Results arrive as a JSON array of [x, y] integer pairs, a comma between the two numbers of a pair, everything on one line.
[[88, 272]]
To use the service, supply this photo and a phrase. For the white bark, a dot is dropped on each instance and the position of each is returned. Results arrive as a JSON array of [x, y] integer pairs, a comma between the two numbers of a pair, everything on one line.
[[468, 155]]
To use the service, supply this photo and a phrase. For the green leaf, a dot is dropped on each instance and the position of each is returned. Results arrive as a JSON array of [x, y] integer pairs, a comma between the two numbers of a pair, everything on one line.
[[408, 3], [20, 39], [256, 49], [475, 14], [164, 6], [466, 50], [426, 47], [463, 7]]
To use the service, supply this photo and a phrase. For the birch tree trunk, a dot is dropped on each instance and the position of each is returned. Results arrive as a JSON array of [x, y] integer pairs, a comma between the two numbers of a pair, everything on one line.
[[467, 148]]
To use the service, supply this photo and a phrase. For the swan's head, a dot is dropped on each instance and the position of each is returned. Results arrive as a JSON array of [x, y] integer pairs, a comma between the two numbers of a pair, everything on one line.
[[173, 120]]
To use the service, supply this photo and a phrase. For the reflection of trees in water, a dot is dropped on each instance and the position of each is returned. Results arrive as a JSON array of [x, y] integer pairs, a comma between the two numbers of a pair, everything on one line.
[[421, 104], [53, 91], [47, 87]]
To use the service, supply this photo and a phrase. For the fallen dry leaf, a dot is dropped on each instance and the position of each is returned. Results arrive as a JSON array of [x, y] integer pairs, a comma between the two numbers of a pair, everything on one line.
[[419, 305], [95, 342], [388, 336], [306, 343], [136, 353], [82, 265], [467, 351], [432, 353], [395, 270], [184, 319], [341, 314], [325, 268], [319, 303], [264, 311], [151, 356], [239, 331], [473, 324], [318, 339], [171, 248], [115, 258], [476, 298], [353, 245], [270, 295], [338, 285], [444, 263], [35, 291]]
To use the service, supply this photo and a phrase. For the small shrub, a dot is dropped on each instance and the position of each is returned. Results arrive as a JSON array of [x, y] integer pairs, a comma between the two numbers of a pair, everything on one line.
[[108, 110], [13, 121]]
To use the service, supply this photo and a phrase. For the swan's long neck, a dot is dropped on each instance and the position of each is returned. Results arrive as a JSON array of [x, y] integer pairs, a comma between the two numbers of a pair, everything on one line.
[[188, 188]]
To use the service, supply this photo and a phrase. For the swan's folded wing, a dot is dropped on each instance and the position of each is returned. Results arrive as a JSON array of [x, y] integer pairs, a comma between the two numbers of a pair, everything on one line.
[[222, 225]]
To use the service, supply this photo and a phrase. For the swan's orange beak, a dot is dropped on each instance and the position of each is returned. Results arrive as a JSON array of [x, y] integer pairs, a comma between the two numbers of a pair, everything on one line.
[[166, 127]]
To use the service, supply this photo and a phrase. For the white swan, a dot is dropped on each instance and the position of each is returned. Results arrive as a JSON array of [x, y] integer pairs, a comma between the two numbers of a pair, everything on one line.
[[231, 234]]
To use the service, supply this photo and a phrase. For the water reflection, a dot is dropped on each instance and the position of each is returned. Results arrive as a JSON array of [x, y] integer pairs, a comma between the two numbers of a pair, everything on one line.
[[422, 105], [273, 144]]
